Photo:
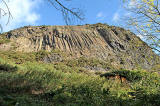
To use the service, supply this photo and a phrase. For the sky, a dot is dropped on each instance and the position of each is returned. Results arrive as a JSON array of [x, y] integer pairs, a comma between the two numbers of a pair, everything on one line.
[[40, 12]]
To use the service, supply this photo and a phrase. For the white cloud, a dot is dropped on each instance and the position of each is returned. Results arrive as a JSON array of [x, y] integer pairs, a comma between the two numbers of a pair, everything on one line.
[[133, 3], [141, 36], [100, 16], [116, 17], [127, 14], [32, 18], [23, 13]]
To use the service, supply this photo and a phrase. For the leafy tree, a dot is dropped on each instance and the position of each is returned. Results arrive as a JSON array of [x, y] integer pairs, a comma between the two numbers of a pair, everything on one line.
[[144, 17]]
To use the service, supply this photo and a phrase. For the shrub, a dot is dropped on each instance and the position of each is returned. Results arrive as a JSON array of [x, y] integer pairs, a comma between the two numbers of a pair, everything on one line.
[[83, 62], [4, 66], [3, 39], [38, 84], [8, 67], [129, 75]]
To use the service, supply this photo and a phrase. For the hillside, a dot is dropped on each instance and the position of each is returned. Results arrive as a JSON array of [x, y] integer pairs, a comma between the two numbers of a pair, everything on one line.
[[118, 47], [89, 65]]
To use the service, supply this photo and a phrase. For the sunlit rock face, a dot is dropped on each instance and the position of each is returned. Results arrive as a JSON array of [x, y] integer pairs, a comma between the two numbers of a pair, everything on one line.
[[118, 46]]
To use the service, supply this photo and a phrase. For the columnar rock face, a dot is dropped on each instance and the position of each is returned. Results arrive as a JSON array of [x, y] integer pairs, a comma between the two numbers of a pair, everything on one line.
[[116, 45]]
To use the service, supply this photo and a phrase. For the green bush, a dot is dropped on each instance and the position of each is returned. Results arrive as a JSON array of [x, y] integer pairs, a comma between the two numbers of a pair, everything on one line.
[[130, 75], [3, 39], [82, 62], [41, 54], [38, 84], [4, 66], [8, 67]]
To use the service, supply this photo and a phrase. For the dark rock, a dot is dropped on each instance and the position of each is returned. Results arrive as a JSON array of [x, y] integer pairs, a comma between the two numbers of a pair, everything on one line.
[[52, 58], [119, 47]]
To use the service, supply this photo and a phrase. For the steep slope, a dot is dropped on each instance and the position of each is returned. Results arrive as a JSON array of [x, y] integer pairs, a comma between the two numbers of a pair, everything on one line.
[[119, 47]]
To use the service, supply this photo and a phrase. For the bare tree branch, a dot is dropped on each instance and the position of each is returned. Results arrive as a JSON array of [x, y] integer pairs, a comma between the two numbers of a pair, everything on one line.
[[69, 14], [6, 13]]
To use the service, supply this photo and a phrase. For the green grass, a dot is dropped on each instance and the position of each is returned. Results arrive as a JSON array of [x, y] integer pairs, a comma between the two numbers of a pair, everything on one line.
[[3, 39], [20, 57], [83, 62], [34, 83]]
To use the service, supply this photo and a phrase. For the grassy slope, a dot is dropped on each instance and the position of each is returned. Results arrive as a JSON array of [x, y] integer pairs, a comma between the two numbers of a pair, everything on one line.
[[33, 83]]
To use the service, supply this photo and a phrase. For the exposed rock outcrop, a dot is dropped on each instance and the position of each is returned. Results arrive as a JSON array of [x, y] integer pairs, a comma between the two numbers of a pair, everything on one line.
[[118, 46]]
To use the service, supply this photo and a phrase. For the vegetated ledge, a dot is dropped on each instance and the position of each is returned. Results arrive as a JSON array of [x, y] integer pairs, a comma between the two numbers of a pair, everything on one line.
[[119, 47]]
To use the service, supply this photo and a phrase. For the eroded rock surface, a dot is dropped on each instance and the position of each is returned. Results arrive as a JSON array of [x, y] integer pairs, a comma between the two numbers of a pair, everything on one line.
[[120, 47]]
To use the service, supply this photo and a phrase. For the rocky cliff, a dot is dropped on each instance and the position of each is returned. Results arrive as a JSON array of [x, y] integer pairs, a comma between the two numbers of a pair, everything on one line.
[[117, 46]]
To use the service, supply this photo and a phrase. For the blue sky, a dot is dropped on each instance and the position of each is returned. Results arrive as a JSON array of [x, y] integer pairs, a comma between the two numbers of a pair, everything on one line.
[[40, 12], [94, 11]]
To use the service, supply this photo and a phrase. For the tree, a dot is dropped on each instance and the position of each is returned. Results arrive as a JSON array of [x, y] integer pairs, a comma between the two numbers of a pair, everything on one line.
[[144, 17], [69, 14]]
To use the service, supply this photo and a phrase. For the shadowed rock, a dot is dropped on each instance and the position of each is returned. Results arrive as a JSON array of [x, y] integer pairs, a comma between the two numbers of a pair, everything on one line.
[[118, 46]]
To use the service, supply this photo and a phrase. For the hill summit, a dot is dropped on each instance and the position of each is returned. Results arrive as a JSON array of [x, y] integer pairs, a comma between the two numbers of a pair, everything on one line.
[[118, 47]]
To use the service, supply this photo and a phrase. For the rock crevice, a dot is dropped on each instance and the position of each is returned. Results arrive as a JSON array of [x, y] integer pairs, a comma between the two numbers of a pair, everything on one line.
[[113, 44]]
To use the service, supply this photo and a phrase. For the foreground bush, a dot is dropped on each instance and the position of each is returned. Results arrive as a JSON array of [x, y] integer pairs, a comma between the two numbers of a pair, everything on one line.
[[38, 84]]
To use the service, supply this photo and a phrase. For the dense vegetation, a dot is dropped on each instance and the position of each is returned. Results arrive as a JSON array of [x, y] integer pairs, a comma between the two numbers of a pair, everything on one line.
[[3, 39], [26, 81]]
